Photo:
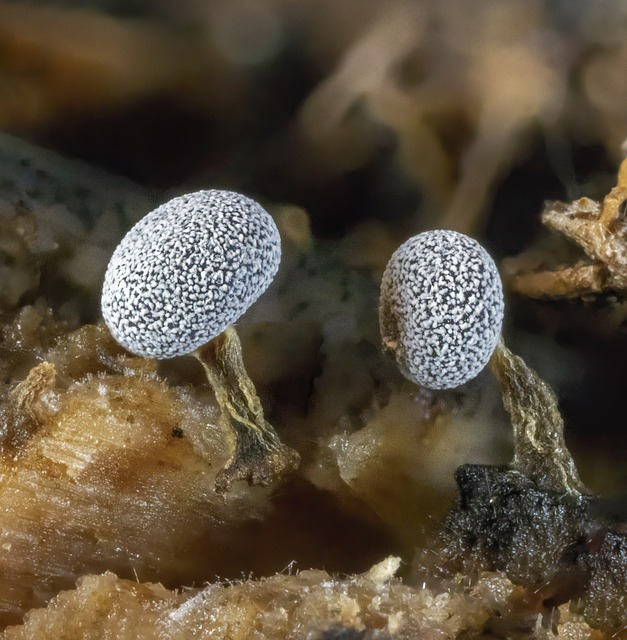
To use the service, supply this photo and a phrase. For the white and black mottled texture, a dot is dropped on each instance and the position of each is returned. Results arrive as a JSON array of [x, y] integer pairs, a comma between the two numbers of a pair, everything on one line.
[[187, 270], [441, 308]]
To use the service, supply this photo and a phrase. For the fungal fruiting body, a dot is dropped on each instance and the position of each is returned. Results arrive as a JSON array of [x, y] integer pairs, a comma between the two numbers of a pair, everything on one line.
[[188, 270], [441, 308], [441, 313], [174, 286]]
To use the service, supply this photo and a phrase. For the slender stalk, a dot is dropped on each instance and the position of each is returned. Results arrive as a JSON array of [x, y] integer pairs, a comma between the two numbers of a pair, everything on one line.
[[540, 451], [256, 452]]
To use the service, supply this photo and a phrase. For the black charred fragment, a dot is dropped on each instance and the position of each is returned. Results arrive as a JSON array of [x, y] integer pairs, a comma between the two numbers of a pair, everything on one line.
[[605, 599], [505, 521], [553, 543], [338, 632]]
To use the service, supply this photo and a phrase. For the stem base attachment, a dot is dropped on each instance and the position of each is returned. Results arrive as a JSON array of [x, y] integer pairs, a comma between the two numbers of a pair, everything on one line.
[[256, 452]]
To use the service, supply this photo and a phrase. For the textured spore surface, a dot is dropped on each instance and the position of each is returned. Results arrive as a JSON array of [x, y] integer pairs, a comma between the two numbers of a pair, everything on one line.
[[187, 270], [441, 308]]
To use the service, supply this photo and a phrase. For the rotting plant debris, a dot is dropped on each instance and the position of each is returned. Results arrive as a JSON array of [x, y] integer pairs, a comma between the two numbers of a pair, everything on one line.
[[600, 230]]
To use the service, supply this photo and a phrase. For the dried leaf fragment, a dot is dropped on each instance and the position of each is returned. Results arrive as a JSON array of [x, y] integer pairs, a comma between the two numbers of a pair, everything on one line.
[[600, 230]]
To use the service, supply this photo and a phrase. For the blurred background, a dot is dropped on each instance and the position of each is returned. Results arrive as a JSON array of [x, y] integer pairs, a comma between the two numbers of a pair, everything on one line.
[[377, 117]]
